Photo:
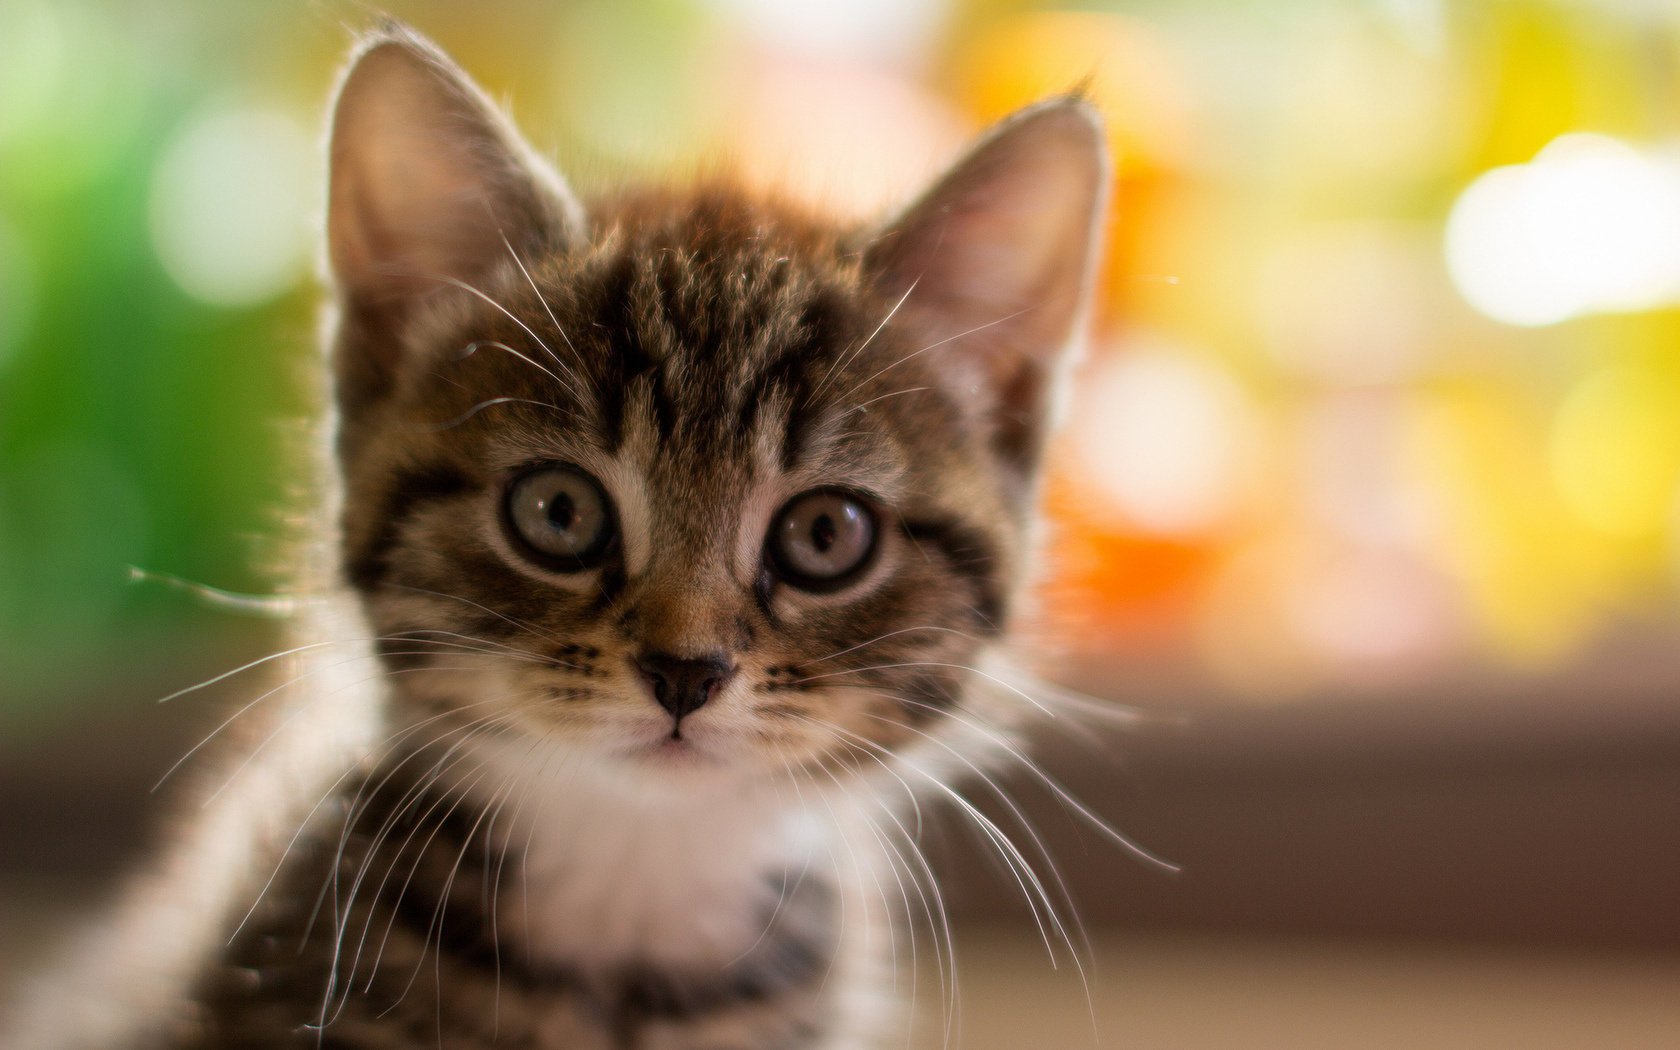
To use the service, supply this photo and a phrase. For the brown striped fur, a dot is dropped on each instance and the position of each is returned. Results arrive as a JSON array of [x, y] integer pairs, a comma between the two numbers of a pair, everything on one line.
[[516, 846]]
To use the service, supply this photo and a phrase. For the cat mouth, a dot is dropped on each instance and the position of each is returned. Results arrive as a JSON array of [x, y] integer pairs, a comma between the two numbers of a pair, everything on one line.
[[674, 750]]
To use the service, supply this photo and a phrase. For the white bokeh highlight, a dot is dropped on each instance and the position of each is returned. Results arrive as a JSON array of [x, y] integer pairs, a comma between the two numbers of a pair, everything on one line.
[[230, 205], [855, 30], [1589, 226], [1162, 439]]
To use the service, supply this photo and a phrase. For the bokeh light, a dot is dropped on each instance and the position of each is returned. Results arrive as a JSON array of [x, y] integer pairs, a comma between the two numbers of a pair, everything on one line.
[[34, 52], [1162, 439], [1589, 225], [1318, 289], [227, 199], [860, 29], [1384, 373], [1615, 452]]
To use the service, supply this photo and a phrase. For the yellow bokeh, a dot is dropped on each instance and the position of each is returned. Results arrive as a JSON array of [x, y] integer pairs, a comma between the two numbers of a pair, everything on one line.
[[1615, 452], [1535, 575], [1122, 65]]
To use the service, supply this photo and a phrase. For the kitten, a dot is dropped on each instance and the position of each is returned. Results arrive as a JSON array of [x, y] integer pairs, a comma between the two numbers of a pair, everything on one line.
[[676, 524]]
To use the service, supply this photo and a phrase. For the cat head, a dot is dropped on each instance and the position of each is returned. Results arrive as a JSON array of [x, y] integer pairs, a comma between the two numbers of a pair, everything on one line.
[[687, 480]]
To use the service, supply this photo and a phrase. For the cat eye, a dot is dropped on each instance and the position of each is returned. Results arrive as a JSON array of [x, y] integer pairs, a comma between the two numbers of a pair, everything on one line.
[[820, 540], [560, 516]]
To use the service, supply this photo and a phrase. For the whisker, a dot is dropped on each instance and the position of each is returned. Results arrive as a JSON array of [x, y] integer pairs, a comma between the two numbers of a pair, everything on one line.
[[385, 746], [898, 860], [439, 912], [510, 315], [496, 883], [473, 348], [482, 405], [528, 628], [1021, 870], [828, 847], [931, 346], [258, 662], [1007, 670], [412, 797], [930, 663], [880, 890], [883, 397], [549, 310], [1004, 797], [851, 356], [1062, 795], [509, 652], [883, 637], [278, 606]]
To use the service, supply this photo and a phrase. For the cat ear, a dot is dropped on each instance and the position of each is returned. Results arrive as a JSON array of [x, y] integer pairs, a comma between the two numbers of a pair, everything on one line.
[[429, 185], [994, 264]]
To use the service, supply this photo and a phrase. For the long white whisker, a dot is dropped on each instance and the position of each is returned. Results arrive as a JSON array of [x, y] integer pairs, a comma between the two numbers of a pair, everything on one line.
[[848, 358], [932, 346], [258, 662], [883, 637], [549, 310], [1017, 863], [482, 405], [929, 663], [385, 746], [859, 407], [460, 797], [473, 348], [880, 890], [510, 315], [505, 652], [482, 608], [278, 606], [410, 798], [1074, 702], [828, 847], [1009, 802], [1053, 785], [897, 858]]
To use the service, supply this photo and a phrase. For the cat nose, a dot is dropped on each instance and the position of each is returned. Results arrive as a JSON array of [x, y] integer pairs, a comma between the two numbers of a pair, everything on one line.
[[683, 684]]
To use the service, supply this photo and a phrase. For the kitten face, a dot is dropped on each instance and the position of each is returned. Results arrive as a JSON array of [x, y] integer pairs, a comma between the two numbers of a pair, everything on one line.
[[705, 365], [691, 483]]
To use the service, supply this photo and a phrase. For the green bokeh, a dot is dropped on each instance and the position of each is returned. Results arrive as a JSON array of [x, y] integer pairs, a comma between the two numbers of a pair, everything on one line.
[[138, 426]]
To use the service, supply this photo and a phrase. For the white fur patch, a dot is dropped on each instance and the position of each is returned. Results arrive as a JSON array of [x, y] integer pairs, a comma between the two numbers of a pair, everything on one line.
[[623, 866]]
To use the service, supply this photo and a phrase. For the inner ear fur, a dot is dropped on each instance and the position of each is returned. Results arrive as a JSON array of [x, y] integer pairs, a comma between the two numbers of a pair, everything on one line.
[[994, 263], [429, 187]]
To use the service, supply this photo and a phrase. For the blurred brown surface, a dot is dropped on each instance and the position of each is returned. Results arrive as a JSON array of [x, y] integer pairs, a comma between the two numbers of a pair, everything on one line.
[[1534, 819], [1214, 993]]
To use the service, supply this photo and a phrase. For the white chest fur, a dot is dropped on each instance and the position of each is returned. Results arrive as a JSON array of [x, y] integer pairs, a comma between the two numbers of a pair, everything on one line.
[[611, 870]]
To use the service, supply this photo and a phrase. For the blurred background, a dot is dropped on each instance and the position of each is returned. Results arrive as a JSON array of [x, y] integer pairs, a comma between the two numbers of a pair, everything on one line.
[[1373, 474]]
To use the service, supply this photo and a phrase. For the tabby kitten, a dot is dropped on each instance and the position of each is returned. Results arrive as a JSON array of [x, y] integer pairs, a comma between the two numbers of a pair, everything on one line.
[[675, 524]]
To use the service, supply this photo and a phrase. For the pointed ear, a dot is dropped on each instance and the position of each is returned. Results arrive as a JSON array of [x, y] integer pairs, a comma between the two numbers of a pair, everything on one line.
[[994, 264], [429, 184]]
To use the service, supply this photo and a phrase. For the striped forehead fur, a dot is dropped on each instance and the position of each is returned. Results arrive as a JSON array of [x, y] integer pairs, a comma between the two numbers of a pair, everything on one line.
[[710, 339]]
